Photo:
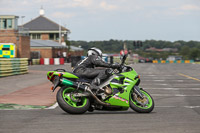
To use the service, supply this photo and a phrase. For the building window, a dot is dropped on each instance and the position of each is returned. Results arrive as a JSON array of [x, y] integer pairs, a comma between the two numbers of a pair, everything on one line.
[[53, 36], [9, 23], [0, 23], [6, 24], [57, 36], [35, 36]]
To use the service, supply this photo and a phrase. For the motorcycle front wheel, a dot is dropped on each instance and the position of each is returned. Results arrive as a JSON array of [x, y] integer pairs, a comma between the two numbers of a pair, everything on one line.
[[145, 105], [69, 105]]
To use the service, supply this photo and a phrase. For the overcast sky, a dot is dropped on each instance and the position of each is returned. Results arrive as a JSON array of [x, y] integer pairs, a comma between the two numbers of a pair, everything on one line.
[[115, 19]]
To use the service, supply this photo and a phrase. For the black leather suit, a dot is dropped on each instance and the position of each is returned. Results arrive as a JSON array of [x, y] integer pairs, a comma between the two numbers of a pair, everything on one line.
[[86, 68]]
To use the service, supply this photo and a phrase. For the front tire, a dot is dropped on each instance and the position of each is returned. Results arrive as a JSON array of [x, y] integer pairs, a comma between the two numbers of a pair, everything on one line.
[[145, 105], [65, 102]]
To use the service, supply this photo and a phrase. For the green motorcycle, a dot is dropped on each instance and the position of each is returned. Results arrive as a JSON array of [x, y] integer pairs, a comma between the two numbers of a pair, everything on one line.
[[118, 92]]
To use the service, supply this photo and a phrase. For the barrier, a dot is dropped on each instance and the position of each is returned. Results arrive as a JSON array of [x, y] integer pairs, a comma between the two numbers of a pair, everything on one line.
[[56, 61], [13, 66], [35, 61], [62, 61], [51, 61], [41, 61], [175, 61], [46, 61]]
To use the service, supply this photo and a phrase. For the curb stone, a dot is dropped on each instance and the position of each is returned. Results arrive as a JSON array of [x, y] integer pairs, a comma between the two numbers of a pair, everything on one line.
[[19, 107]]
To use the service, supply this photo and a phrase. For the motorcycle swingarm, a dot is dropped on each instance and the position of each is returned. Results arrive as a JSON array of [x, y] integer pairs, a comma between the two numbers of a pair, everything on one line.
[[85, 94]]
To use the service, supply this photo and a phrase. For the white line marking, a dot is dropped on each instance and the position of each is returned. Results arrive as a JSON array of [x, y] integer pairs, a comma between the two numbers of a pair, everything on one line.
[[165, 106], [176, 95], [158, 75], [160, 80], [192, 107], [154, 84], [189, 107], [53, 106], [179, 80], [195, 89]]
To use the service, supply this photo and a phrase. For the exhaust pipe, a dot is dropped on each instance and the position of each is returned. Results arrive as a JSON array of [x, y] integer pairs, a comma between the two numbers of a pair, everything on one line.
[[96, 98], [84, 88]]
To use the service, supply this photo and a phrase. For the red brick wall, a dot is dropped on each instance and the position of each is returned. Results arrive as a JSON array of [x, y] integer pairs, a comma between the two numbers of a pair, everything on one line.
[[24, 47], [45, 36], [8, 36], [76, 53], [44, 52], [53, 53]]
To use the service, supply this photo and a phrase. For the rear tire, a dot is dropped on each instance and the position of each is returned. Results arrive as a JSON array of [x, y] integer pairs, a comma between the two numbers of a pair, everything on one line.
[[137, 107], [69, 106]]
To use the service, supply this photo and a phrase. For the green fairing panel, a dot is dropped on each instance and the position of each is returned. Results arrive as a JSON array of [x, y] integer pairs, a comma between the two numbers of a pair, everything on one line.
[[122, 99], [69, 75], [130, 74]]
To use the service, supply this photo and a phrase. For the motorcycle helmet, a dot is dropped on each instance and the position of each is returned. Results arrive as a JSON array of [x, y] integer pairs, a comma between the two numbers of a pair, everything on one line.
[[94, 51]]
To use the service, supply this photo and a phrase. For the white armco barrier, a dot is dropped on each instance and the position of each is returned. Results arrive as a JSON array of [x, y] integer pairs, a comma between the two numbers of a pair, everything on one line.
[[46, 61], [56, 61]]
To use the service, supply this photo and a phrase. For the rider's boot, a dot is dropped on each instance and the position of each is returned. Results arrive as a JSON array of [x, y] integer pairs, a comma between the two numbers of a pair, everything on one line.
[[94, 85]]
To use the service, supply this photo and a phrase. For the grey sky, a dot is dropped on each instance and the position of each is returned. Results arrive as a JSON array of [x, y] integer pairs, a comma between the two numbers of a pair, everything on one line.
[[116, 19]]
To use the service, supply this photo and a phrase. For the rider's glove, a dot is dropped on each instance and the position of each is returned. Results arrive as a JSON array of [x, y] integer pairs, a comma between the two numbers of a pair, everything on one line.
[[115, 66]]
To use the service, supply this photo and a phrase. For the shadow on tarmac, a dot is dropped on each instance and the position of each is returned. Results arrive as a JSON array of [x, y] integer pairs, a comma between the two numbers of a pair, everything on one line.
[[109, 112]]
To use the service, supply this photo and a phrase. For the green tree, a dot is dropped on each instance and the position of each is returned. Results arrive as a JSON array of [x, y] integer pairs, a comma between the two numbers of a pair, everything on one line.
[[194, 53], [68, 44], [185, 50]]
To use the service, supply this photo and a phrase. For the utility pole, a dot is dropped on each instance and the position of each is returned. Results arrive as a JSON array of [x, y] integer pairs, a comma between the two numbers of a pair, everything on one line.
[[60, 33]]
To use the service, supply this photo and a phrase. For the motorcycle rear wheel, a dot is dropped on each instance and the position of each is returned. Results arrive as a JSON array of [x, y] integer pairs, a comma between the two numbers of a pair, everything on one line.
[[136, 103], [68, 105]]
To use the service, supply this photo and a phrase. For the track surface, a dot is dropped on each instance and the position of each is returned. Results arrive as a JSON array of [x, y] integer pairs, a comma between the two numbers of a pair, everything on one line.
[[174, 87]]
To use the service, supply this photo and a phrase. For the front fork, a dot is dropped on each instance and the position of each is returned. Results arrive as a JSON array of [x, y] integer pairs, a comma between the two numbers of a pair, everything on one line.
[[138, 92]]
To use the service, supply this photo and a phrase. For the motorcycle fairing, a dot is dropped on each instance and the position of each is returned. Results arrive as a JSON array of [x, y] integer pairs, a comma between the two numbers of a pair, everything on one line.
[[125, 81]]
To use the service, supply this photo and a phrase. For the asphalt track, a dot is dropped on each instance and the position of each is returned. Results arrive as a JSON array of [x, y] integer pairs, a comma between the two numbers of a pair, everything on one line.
[[174, 87]]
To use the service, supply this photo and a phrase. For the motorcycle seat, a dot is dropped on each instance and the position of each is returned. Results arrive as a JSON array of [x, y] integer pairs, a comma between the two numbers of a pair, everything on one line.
[[81, 79]]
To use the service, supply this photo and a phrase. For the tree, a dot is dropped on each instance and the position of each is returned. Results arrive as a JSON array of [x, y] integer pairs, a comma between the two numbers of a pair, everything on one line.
[[68, 44], [194, 53], [185, 50]]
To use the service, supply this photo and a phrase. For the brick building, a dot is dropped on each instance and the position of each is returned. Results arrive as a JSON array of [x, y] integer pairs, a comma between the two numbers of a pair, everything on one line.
[[52, 49], [42, 28], [40, 36], [47, 37], [10, 33]]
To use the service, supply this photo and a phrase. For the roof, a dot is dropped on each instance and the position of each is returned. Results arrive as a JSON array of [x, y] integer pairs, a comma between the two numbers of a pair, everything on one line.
[[49, 43], [8, 16], [42, 23]]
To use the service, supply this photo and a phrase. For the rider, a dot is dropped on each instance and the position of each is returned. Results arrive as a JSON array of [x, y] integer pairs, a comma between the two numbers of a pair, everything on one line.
[[86, 67]]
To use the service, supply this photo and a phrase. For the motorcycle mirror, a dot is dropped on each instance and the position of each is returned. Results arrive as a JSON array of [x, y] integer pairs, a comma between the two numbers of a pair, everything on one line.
[[123, 58]]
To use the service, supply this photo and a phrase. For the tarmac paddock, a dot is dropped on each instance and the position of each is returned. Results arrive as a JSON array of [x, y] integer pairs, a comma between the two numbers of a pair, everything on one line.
[[174, 87]]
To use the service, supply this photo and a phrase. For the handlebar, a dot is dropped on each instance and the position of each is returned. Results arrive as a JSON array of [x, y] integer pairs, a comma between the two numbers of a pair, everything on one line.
[[111, 70]]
